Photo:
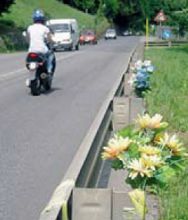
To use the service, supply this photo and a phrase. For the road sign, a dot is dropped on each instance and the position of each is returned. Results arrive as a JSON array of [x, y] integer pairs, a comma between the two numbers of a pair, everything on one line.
[[166, 34], [160, 17]]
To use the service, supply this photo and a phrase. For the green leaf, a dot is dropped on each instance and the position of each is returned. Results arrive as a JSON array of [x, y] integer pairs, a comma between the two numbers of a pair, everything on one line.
[[137, 182], [177, 163], [165, 174], [133, 151], [117, 164], [127, 132]]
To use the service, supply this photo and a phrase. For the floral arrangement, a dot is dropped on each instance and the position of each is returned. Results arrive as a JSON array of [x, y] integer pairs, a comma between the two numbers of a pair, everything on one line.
[[150, 155], [141, 76]]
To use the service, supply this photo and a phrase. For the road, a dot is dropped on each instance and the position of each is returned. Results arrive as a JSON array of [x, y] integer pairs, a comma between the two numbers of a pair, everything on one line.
[[40, 135]]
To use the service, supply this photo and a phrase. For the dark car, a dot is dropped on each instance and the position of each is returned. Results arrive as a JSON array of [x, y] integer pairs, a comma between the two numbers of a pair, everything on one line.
[[88, 37]]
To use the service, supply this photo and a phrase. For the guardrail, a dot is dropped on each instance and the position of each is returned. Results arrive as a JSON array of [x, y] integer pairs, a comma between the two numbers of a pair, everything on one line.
[[165, 43], [85, 168]]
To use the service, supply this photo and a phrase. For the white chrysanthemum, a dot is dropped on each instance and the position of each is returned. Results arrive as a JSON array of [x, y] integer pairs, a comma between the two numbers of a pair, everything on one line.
[[137, 167], [173, 143], [155, 121], [115, 147], [152, 162]]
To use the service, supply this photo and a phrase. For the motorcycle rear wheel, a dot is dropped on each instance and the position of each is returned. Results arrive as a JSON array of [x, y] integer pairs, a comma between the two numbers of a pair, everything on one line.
[[35, 87], [48, 84]]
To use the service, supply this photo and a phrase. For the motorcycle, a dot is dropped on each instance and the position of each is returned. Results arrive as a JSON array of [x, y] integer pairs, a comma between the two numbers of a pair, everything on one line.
[[39, 77]]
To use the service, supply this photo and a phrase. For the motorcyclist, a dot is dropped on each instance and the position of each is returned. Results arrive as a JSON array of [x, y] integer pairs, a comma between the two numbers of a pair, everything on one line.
[[38, 36]]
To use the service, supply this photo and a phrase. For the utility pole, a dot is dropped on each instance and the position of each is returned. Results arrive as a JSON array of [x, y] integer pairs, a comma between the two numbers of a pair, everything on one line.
[[147, 32]]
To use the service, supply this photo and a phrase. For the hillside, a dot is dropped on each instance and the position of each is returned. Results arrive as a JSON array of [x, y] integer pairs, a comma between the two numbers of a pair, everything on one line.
[[19, 17]]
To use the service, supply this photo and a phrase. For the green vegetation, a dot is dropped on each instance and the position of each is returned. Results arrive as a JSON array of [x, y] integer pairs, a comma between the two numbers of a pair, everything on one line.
[[131, 14], [20, 17], [21, 12], [169, 97], [5, 4], [174, 200], [170, 86]]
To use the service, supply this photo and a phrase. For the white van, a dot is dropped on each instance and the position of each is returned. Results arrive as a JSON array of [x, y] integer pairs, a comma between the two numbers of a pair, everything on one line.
[[66, 33]]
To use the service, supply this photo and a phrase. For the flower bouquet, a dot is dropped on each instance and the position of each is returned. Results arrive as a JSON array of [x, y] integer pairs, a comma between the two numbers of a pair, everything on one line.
[[150, 155], [141, 75]]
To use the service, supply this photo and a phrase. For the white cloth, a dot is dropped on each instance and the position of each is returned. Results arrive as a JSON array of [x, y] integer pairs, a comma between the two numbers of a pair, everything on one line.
[[37, 33]]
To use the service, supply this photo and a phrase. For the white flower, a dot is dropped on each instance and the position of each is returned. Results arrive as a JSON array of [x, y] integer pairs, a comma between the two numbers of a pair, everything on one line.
[[132, 79], [152, 162], [116, 146], [173, 143], [147, 63], [138, 64], [138, 167], [150, 69]]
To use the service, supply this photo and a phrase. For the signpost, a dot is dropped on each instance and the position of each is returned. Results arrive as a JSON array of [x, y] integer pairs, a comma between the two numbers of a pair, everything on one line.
[[147, 32], [159, 18]]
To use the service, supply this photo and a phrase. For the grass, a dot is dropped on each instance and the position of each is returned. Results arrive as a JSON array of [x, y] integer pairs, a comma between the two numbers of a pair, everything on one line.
[[174, 200], [20, 16], [169, 97], [169, 94], [21, 11]]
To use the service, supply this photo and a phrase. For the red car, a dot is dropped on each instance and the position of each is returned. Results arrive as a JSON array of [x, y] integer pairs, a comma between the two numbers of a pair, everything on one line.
[[88, 37]]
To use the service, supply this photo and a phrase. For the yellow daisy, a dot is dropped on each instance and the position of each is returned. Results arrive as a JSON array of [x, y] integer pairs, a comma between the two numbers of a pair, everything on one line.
[[115, 147], [155, 121], [149, 150], [150, 122], [138, 167], [152, 162], [143, 121], [173, 143]]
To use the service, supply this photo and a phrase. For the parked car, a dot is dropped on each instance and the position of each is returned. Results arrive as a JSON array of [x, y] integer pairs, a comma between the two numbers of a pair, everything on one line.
[[110, 34], [88, 37]]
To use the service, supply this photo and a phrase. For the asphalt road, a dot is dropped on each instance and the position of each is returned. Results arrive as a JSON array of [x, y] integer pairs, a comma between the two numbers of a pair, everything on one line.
[[40, 135]]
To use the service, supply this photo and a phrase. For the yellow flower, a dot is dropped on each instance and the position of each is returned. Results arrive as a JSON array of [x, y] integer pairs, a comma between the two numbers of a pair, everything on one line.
[[138, 199], [149, 150], [150, 122], [143, 121], [152, 162], [163, 140], [138, 167], [158, 137], [115, 147], [155, 121], [173, 143]]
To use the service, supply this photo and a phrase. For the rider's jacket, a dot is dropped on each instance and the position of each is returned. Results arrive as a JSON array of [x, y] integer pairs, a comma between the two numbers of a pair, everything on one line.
[[37, 34]]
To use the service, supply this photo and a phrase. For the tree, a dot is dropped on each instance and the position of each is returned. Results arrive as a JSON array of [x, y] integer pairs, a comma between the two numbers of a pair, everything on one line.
[[129, 15], [179, 15], [111, 8], [85, 5], [4, 5], [132, 13]]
